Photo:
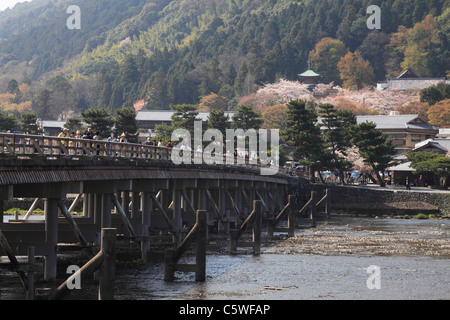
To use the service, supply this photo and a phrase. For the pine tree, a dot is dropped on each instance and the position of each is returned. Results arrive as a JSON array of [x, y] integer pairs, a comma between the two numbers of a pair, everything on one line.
[[7, 122], [28, 123], [375, 147], [246, 118], [335, 126], [218, 120], [99, 120], [303, 134], [125, 122]]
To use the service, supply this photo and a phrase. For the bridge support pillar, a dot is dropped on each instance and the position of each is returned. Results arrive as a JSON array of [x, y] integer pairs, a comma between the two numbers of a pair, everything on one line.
[[125, 201], [176, 207], [97, 213], [106, 210], [51, 237], [135, 203], [6, 193], [223, 207], [147, 188], [146, 223]]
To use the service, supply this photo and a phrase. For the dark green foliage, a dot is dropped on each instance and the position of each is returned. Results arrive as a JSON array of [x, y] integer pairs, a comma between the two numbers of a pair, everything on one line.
[[430, 162], [183, 50], [304, 135], [184, 118], [436, 93], [28, 123], [125, 122], [374, 146], [7, 122], [218, 120], [246, 118], [336, 128], [98, 120]]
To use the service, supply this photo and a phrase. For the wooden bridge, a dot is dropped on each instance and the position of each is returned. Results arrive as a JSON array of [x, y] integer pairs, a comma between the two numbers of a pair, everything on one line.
[[131, 187]]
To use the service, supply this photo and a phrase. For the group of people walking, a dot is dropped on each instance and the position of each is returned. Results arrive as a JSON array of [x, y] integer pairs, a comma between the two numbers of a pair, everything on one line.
[[89, 134]]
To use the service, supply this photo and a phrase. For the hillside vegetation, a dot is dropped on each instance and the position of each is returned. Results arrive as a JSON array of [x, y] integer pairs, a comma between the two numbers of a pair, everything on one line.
[[182, 51]]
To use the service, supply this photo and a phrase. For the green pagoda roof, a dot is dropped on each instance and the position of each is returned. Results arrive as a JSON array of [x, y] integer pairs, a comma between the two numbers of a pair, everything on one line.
[[309, 73]]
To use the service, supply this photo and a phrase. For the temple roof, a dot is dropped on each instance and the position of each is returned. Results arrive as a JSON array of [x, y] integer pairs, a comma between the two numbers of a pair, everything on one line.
[[408, 74], [309, 73]]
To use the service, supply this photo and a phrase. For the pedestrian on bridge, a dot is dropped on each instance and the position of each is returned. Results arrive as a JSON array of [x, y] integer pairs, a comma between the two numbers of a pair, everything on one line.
[[64, 134], [111, 138], [89, 134]]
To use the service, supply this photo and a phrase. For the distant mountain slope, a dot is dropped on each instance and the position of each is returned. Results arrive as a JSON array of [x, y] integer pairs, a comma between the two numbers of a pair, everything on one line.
[[178, 51], [38, 30]]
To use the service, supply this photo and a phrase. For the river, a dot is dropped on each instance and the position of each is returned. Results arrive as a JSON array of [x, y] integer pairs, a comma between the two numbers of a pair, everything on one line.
[[343, 258]]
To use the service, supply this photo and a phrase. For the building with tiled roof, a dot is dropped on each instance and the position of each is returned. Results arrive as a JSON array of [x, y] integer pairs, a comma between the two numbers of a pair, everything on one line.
[[405, 130]]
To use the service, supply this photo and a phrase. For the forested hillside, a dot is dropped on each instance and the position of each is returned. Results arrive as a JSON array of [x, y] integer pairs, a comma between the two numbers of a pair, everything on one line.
[[172, 52]]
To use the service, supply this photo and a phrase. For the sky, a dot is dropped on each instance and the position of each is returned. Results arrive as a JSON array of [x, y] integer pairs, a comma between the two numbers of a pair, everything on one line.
[[9, 3]]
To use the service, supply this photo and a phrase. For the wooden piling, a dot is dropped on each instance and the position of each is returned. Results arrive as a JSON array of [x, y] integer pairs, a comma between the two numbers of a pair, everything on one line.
[[200, 258], [327, 203], [30, 274], [255, 217], [171, 256], [313, 208], [103, 261], [169, 265], [287, 210], [257, 227], [108, 267]]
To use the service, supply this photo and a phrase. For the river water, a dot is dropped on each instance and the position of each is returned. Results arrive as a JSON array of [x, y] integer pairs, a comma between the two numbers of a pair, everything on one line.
[[336, 260]]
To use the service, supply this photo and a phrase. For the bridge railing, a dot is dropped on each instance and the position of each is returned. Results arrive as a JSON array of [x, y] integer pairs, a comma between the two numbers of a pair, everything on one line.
[[24, 146]]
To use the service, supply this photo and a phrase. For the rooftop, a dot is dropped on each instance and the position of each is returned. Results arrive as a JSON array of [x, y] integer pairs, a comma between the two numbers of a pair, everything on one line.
[[402, 167], [442, 144], [165, 115], [408, 121], [309, 73]]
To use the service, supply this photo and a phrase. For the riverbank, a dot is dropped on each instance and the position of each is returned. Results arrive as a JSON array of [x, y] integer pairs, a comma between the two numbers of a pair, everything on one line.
[[373, 200]]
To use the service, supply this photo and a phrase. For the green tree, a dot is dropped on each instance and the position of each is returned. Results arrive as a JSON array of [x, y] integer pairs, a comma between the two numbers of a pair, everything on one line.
[[74, 124], [12, 87], [7, 122], [41, 104], [125, 122], [336, 126], [240, 79], [246, 118], [28, 123], [304, 135], [184, 118], [430, 162], [435, 93], [375, 147], [418, 49], [99, 120], [212, 78], [218, 120]]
